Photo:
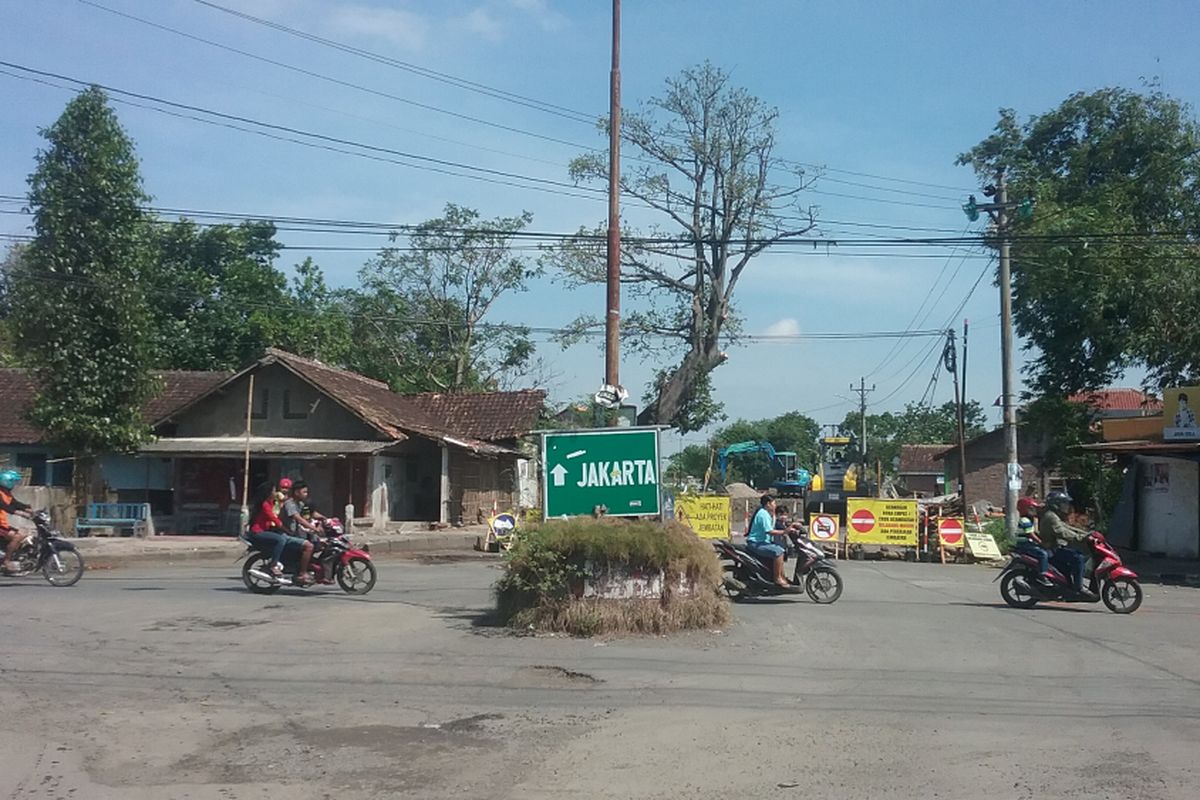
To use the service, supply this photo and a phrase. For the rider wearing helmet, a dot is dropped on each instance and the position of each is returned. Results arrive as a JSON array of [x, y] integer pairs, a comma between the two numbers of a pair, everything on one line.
[[9, 479], [1057, 536]]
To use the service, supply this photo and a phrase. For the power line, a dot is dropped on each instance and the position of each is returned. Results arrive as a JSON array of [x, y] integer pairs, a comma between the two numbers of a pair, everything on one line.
[[337, 81], [461, 83], [442, 166]]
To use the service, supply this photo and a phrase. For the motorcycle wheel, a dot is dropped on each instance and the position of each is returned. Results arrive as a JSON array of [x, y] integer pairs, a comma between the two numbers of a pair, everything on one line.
[[1122, 596], [63, 568], [824, 585], [258, 585], [356, 576], [1015, 590]]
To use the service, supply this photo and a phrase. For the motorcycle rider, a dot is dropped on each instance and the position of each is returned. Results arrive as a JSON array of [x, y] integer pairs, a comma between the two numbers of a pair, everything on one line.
[[292, 514], [1057, 535], [759, 539], [1029, 542], [267, 528], [12, 537]]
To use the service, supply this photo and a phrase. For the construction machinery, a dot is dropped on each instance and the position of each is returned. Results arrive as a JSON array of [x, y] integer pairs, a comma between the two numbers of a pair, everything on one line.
[[792, 480], [837, 478]]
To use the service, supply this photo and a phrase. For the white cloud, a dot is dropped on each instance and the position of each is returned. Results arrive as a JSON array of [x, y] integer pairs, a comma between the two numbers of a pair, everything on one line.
[[784, 327], [407, 29], [542, 13], [482, 22]]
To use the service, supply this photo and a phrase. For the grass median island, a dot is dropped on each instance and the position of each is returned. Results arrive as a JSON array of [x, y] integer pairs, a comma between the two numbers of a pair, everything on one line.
[[545, 571]]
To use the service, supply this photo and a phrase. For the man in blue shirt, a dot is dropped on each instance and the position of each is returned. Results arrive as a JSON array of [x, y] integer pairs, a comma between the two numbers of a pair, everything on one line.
[[760, 541]]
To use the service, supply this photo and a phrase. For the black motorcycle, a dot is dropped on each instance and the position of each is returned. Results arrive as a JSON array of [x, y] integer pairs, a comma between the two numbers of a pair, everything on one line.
[[46, 550], [749, 576]]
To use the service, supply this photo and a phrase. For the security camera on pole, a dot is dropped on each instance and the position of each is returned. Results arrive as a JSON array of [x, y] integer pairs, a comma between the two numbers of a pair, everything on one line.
[[999, 212]]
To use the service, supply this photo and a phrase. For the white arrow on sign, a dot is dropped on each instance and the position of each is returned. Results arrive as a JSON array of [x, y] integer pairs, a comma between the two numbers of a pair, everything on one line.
[[560, 475]]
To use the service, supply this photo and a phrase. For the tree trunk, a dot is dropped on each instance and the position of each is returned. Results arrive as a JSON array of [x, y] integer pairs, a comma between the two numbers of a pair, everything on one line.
[[674, 392]]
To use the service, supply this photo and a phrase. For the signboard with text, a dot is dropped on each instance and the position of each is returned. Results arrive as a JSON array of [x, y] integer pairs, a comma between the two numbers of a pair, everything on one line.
[[893, 522], [1179, 413], [707, 516], [611, 468]]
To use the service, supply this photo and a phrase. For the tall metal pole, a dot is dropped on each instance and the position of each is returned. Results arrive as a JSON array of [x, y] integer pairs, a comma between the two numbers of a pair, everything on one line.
[[1012, 483], [612, 321]]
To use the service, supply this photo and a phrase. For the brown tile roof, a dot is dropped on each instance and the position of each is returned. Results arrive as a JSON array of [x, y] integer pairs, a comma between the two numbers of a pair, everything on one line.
[[17, 387], [471, 419], [1119, 400], [490, 416], [919, 459]]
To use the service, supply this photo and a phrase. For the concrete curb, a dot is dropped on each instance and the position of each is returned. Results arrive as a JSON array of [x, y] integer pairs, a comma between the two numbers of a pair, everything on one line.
[[111, 554]]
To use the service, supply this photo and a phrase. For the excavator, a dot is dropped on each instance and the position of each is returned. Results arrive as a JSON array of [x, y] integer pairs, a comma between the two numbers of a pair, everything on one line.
[[792, 480]]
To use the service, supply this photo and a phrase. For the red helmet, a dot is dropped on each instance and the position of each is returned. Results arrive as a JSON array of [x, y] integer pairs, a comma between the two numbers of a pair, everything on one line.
[[285, 483]]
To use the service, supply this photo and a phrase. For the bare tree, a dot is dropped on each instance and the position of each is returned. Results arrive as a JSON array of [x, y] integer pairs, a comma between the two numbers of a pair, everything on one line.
[[704, 163]]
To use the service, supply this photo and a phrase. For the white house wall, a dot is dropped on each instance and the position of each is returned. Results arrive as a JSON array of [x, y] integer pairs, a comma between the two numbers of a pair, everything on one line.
[[1169, 507]]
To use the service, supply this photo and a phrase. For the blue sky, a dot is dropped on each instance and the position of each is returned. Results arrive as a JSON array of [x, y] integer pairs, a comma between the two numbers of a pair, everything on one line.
[[889, 90]]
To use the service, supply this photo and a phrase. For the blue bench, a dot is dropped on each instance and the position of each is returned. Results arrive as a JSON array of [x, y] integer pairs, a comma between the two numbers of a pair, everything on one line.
[[112, 515]]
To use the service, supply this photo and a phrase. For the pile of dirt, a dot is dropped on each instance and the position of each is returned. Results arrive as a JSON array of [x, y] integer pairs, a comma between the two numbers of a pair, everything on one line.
[[742, 491]]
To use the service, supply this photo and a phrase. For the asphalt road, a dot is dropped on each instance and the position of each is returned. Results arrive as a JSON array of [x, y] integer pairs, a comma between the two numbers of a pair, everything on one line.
[[176, 683]]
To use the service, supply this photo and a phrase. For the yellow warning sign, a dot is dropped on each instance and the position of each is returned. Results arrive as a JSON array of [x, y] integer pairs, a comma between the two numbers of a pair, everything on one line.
[[707, 516]]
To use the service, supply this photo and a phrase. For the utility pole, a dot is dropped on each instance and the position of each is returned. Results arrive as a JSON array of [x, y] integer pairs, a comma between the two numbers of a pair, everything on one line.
[[962, 448], [862, 391], [1012, 486], [999, 212], [612, 320], [950, 359]]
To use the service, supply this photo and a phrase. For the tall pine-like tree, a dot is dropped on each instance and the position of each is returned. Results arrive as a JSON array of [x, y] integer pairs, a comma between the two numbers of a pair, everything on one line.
[[81, 319]]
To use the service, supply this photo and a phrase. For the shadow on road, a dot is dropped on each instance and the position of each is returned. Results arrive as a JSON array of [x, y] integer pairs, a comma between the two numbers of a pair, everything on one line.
[[1074, 609]]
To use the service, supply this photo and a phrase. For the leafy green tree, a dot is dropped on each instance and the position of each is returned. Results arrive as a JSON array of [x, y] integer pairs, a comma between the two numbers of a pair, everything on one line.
[[1104, 269], [445, 282], [216, 298], [916, 424], [702, 156], [82, 320], [13, 262], [317, 323]]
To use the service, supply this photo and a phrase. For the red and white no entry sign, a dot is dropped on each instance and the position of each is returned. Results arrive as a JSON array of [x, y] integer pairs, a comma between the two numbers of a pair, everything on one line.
[[950, 530], [823, 527], [863, 521]]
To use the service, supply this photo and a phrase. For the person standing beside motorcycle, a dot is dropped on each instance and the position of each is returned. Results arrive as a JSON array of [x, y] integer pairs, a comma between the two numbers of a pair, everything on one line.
[[293, 518], [1057, 536], [759, 539], [12, 537]]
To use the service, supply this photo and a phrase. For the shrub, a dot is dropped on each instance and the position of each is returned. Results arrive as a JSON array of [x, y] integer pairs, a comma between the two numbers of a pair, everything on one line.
[[999, 532], [548, 563]]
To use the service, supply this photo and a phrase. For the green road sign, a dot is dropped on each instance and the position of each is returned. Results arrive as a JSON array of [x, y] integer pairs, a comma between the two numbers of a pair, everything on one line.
[[614, 467]]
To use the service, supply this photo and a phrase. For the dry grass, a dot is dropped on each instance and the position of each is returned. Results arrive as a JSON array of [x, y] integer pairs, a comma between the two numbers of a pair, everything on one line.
[[548, 562], [594, 617]]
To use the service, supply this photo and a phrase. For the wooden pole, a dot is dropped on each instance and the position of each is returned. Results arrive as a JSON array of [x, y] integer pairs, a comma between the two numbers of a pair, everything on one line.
[[246, 465]]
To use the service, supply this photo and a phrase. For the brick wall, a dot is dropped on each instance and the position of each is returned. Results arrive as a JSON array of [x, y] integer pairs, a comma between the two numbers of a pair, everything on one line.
[[987, 470]]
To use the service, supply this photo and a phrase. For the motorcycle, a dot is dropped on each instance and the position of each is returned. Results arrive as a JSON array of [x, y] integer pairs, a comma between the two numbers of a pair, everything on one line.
[[749, 576], [1117, 585], [334, 558], [46, 550]]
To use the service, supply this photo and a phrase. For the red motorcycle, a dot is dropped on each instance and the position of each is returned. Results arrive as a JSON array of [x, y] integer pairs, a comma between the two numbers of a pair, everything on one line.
[[1117, 585], [334, 558]]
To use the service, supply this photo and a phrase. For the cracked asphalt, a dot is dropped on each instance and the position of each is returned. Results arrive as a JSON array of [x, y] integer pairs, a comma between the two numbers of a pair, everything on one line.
[[174, 682]]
